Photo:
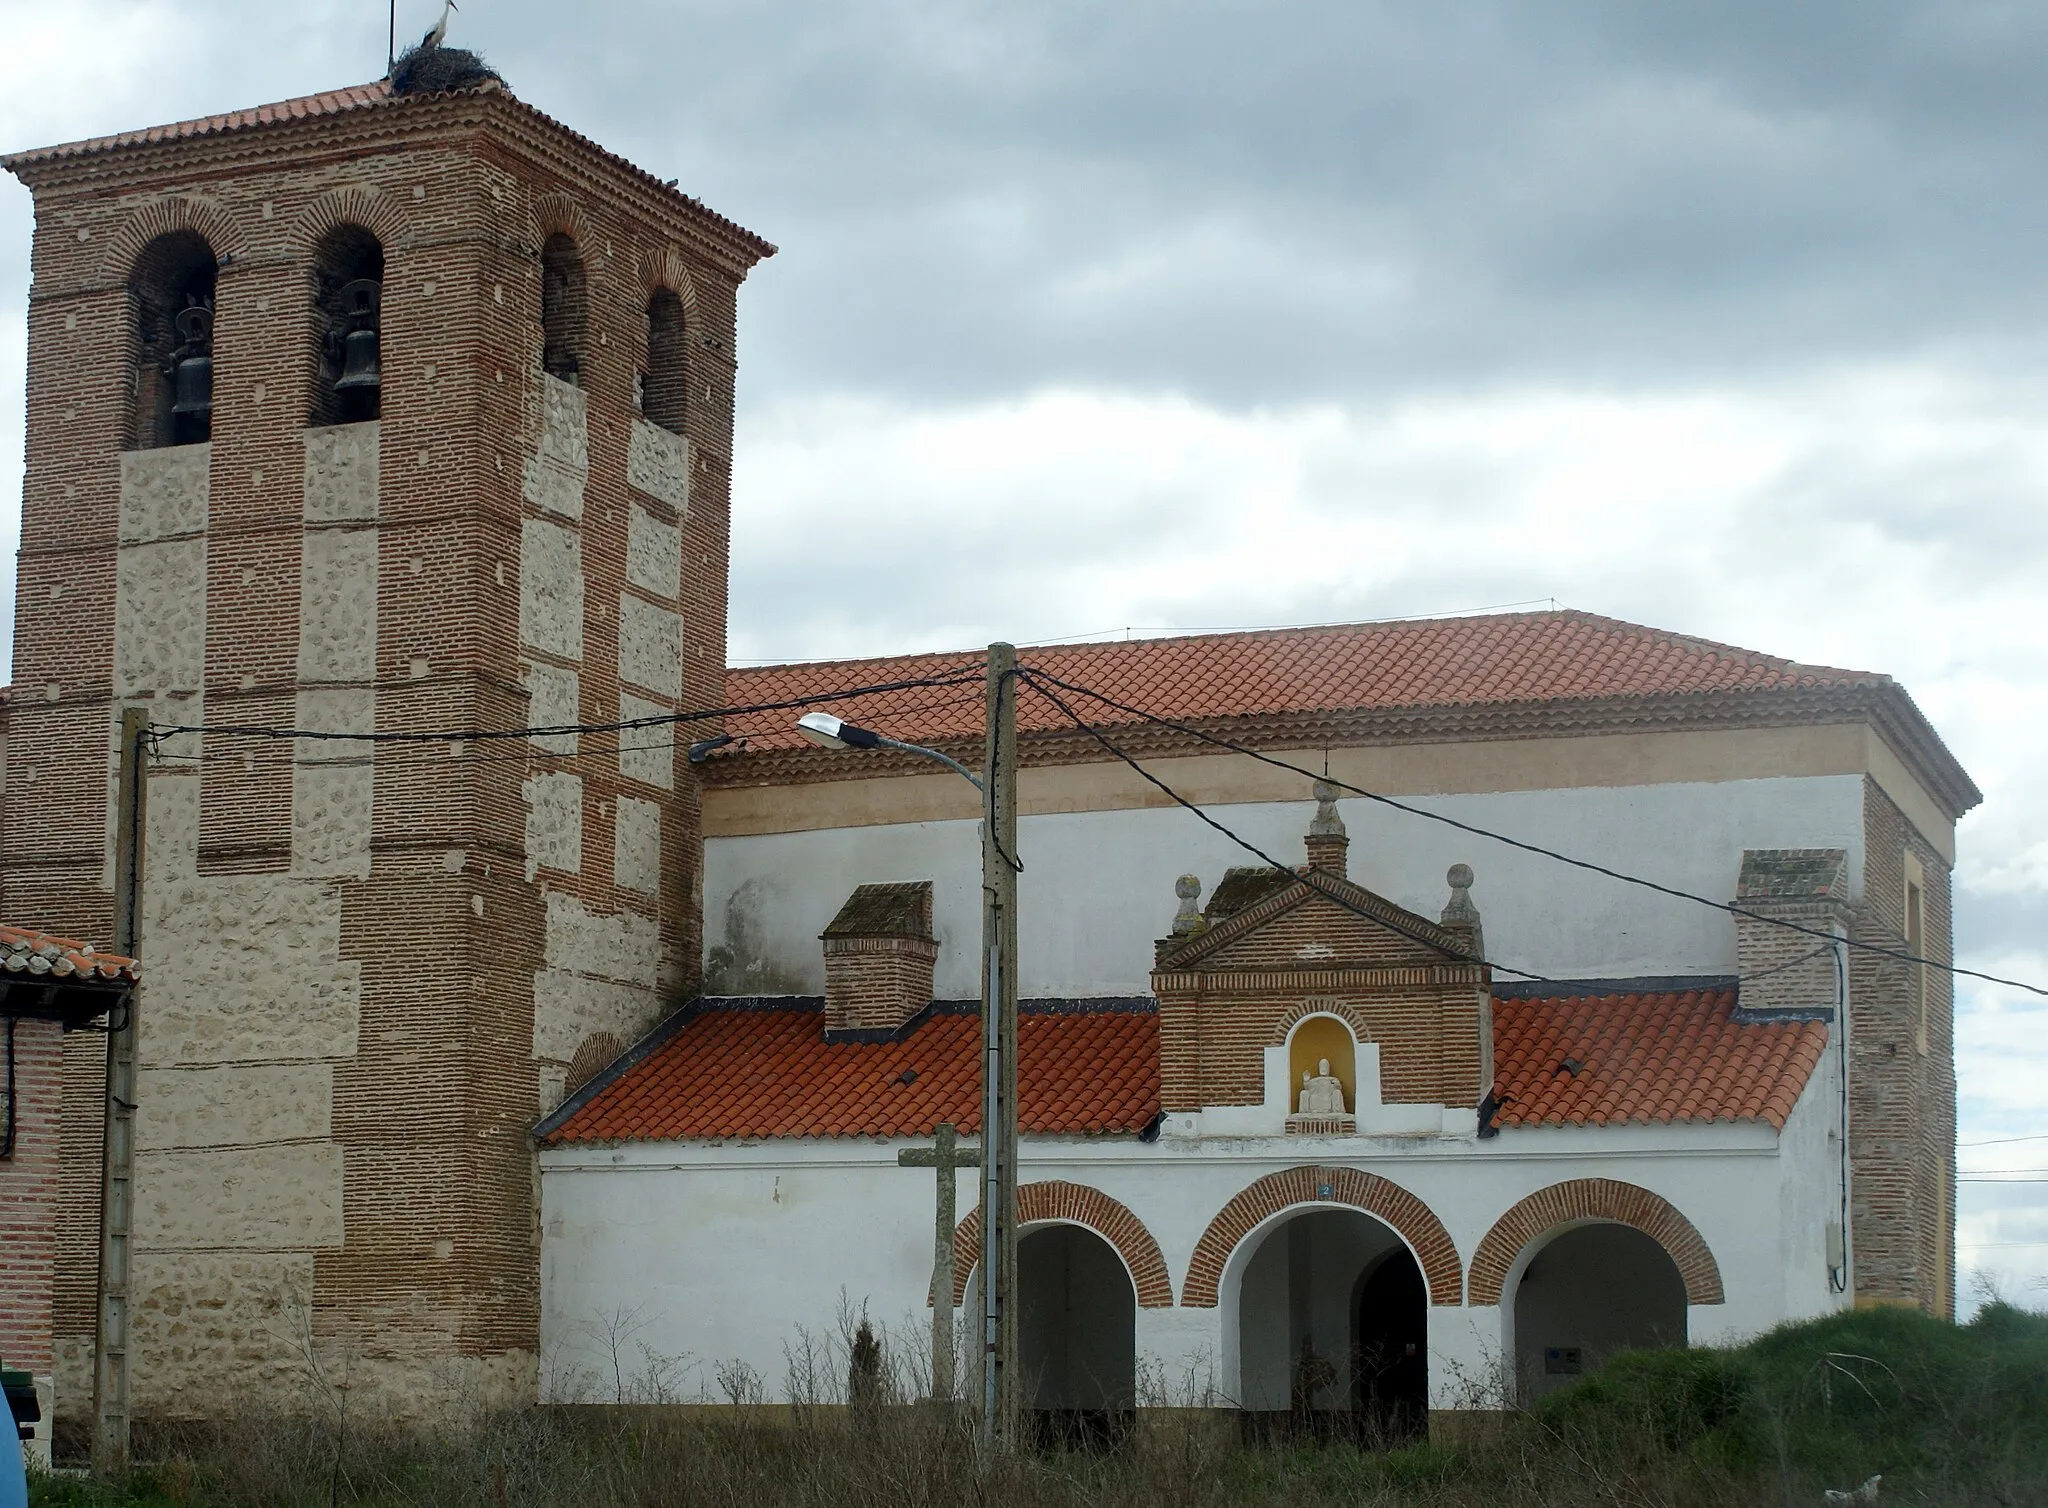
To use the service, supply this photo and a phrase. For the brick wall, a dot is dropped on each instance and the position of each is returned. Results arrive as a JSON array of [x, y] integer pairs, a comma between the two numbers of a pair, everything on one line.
[[1902, 1100], [876, 983], [28, 1197], [368, 958], [1219, 1014]]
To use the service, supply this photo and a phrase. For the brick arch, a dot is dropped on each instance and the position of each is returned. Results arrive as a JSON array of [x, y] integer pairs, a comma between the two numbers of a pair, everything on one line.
[[359, 204], [162, 216], [1583, 1199], [1307, 1008], [1352, 1188], [664, 267], [552, 213], [1074, 1204]]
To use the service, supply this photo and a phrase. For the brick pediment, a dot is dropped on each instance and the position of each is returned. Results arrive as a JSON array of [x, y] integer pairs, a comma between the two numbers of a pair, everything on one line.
[[1323, 921]]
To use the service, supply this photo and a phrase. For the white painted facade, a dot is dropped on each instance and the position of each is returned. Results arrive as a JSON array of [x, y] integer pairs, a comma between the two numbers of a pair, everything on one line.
[[1097, 886], [725, 1251]]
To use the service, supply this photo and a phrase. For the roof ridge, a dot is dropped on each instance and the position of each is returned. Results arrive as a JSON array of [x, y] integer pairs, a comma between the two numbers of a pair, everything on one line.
[[378, 93], [1353, 629]]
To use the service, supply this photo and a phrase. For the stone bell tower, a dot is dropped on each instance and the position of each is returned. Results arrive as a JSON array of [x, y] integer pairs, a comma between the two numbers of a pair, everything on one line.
[[371, 411]]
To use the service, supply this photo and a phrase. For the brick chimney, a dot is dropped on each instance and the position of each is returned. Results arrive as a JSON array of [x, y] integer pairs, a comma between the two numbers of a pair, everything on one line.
[[1783, 970], [879, 955], [1326, 840]]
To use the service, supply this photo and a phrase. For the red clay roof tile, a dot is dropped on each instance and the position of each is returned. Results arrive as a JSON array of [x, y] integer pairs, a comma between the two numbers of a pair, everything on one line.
[[1644, 1058], [23, 951], [756, 1073], [1647, 1057], [1438, 663]]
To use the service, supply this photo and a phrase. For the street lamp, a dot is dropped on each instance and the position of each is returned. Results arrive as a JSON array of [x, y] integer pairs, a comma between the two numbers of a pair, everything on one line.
[[829, 732], [998, 786]]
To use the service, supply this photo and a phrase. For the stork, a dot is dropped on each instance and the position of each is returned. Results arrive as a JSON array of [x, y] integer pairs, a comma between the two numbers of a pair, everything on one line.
[[440, 28]]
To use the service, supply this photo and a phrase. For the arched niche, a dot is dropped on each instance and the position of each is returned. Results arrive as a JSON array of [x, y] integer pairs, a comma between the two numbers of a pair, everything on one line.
[[665, 385], [348, 284], [564, 308], [1317, 1039], [171, 291]]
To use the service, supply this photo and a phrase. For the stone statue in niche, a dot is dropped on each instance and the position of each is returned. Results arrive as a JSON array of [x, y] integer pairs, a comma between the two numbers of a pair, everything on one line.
[[1322, 1094]]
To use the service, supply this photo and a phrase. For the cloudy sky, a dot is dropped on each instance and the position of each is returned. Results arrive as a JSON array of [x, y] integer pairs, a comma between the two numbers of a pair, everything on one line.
[[1731, 318]]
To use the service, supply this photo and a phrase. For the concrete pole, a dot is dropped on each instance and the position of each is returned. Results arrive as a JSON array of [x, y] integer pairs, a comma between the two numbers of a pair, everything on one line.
[[999, 1058], [117, 1156]]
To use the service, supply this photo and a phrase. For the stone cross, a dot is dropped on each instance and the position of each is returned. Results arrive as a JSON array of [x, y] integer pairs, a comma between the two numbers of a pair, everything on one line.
[[947, 1156]]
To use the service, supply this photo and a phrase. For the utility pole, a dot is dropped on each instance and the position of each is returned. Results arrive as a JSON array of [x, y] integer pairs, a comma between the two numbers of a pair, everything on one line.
[[999, 1058], [117, 1153]]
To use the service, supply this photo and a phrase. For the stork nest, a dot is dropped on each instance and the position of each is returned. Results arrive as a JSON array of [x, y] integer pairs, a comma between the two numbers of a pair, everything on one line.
[[437, 70]]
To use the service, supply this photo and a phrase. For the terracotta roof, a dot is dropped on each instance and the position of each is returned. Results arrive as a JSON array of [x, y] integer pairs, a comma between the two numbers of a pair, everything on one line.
[[764, 1069], [25, 952], [1650, 1056], [341, 102], [1499, 674], [332, 102], [761, 1069]]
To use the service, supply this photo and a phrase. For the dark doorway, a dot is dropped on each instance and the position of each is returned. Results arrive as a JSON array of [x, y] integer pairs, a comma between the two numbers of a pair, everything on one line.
[[1390, 1359], [1077, 1336]]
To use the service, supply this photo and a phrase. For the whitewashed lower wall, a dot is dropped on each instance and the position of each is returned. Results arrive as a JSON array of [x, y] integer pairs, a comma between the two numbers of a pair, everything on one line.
[[716, 1253], [1097, 887]]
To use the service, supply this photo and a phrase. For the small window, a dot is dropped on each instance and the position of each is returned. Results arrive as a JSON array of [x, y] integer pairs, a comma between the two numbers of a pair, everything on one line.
[[563, 308], [171, 291], [1916, 944], [665, 388], [348, 297]]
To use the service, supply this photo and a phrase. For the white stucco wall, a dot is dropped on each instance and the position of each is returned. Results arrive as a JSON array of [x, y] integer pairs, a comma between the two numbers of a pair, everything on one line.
[[722, 1252], [1097, 887]]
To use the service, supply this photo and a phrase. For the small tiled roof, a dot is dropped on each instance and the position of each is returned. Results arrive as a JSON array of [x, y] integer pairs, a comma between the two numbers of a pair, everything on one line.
[[766, 1070], [1646, 1056], [1494, 675], [40, 953], [901, 909], [1240, 889], [341, 102]]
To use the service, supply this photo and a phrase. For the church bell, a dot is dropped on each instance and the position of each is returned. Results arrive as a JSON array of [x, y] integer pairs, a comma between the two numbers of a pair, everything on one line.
[[192, 393], [360, 365]]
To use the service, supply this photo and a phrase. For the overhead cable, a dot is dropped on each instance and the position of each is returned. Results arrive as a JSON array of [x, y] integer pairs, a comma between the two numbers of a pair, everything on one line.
[[1035, 675], [558, 730]]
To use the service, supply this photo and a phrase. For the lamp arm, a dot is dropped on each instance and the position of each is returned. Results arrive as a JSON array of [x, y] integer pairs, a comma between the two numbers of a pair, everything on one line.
[[945, 759]]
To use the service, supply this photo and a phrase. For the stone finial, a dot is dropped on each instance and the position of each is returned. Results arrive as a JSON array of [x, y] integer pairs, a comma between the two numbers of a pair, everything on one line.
[[1326, 840], [1188, 920], [1460, 915], [1327, 823]]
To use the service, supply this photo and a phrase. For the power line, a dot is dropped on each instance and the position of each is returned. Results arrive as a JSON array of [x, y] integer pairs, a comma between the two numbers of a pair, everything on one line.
[[486, 735], [2005, 1141], [1306, 877], [421, 753], [1301, 877], [1899, 954]]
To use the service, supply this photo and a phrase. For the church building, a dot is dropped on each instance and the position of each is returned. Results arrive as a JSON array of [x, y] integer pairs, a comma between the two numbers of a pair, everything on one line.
[[1427, 1120], [379, 445]]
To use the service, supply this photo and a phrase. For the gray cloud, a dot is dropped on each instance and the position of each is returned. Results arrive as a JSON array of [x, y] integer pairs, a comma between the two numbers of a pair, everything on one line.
[[1262, 202]]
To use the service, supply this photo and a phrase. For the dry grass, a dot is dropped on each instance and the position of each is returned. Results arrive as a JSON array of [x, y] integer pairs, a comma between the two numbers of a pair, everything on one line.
[[1950, 1415]]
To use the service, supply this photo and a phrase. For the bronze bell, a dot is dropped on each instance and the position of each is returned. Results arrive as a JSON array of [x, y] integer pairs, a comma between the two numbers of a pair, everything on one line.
[[360, 364], [193, 370]]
